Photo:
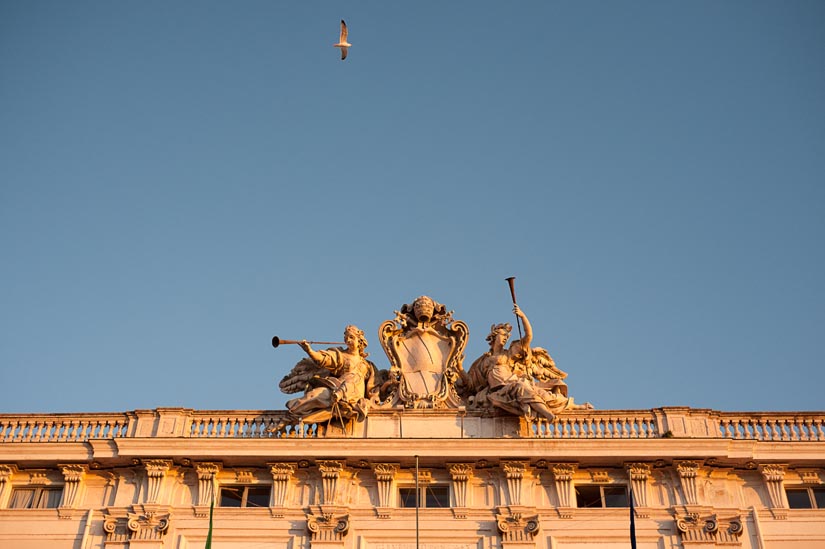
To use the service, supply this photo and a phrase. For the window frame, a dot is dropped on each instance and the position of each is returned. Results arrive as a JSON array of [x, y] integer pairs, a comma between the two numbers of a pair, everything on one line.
[[811, 492], [602, 495], [244, 490], [422, 497], [39, 493]]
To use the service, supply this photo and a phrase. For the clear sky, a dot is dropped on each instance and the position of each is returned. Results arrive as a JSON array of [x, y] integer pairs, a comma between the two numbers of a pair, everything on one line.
[[180, 181]]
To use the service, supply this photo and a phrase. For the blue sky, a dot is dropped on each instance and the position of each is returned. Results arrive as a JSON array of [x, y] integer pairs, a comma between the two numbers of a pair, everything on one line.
[[181, 181]]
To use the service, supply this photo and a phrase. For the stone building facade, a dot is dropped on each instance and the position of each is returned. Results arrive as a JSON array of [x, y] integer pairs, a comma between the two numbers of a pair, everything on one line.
[[483, 480]]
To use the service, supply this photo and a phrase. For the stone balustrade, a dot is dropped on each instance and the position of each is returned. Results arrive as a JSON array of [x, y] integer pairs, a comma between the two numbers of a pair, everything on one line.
[[62, 427], [669, 422]]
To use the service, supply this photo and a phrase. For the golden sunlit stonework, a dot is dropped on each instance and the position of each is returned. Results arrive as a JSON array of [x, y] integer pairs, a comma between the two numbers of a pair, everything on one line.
[[424, 453]]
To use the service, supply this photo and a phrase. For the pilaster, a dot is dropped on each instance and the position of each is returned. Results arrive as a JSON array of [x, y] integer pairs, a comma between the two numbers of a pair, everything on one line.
[[156, 470], [207, 486]]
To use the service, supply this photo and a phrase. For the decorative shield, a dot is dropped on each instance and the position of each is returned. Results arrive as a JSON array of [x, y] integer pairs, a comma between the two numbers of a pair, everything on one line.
[[425, 348]]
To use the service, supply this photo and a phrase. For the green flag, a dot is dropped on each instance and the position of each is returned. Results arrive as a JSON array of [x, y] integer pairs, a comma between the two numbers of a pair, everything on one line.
[[209, 535]]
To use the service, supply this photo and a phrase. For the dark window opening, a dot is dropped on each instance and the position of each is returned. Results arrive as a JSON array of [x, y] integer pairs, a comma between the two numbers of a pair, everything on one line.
[[806, 498], [601, 496], [433, 496], [245, 496]]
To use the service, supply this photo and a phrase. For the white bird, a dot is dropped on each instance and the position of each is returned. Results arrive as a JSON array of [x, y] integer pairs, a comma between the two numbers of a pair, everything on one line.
[[342, 41]]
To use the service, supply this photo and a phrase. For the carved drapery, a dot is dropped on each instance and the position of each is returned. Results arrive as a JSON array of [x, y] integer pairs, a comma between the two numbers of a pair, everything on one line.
[[698, 528], [774, 475], [73, 476], [563, 479], [156, 470], [328, 527], [517, 528], [514, 473], [639, 474], [330, 472], [460, 473], [688, 471], [384, 476], [281, 475]]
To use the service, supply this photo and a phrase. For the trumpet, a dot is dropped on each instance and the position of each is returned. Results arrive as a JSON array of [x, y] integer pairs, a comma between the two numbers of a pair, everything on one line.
[[277, 342]]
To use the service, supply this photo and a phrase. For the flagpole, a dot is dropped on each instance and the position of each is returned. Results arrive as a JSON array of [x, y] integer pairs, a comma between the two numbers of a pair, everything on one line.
[[417, 503], [632, 522]]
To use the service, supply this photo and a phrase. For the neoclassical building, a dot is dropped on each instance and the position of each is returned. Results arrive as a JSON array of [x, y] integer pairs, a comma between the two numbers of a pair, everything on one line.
[[426, 454]]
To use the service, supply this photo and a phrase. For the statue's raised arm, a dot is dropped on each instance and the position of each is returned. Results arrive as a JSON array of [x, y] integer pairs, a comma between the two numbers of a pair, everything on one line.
[[335, 381]]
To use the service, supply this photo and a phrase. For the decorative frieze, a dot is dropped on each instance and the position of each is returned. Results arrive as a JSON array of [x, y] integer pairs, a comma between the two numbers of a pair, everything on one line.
[[697, 528], [73, 476], [156, 470], [328, 527], [330, 473], [688, 471]]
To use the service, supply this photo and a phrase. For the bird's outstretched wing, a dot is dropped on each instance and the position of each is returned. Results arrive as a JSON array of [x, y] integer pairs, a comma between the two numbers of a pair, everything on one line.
[[344, 53], [343, 38]]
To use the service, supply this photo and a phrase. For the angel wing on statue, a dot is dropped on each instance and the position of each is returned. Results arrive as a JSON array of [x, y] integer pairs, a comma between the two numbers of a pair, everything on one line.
[[519, 379], [335, 382]]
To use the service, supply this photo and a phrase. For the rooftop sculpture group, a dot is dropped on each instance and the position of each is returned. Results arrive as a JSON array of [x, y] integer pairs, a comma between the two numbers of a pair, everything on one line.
[[425, 348]]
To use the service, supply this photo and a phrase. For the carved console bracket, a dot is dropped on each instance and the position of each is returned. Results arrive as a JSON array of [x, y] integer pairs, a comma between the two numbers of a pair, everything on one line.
[[699, 528], [514, 473], [73, 476], [281, 475], [688, 471], [384, 476], [460, 474], [563, 479], [207, 486], [639, 475], [6, 471], [328, 527], [156, 470], [774, 475], [330, 472]]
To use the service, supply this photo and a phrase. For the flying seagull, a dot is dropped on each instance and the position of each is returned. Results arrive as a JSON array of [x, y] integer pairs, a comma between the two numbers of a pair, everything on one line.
[[342, 41]]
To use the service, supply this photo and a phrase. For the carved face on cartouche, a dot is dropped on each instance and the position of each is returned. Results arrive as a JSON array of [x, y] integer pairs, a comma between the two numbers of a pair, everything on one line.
[[423, 307]]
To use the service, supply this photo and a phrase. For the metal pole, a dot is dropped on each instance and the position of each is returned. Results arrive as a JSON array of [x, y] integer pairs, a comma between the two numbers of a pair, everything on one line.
[[417, 502]]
